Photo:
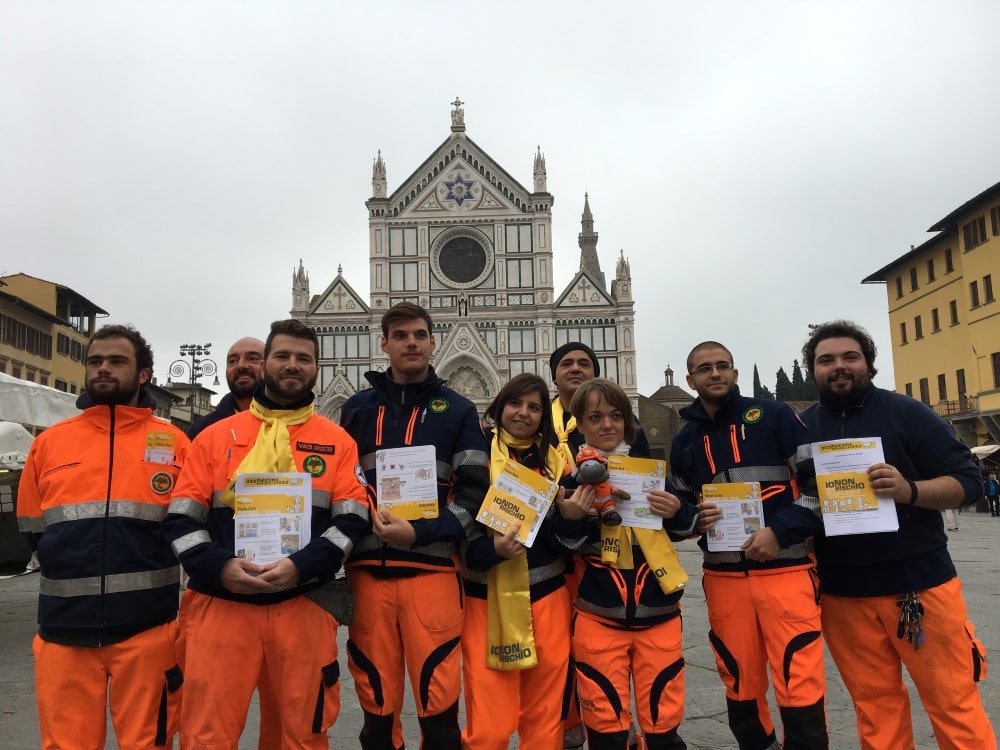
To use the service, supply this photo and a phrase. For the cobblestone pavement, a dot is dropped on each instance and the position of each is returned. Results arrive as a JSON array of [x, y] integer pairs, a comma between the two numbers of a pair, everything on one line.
[[975, 549]]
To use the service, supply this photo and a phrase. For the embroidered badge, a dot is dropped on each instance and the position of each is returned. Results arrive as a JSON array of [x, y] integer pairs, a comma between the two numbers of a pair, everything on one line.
[[360, 474], [438, 405], [161, 483], [315, 465], [753, 415]]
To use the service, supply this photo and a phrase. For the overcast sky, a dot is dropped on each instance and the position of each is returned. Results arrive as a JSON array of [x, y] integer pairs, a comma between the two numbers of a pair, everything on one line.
[[172, 161]]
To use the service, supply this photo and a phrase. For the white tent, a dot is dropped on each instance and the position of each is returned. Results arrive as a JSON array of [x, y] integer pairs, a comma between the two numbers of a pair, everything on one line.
[[30, 403], [982, 451]]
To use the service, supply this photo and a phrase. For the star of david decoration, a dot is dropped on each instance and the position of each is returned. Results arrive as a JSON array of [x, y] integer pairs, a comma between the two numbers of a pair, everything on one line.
[[459, 190]]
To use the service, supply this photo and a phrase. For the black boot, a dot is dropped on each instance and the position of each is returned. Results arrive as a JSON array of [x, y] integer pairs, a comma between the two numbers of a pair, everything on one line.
[[441, 732], [805, 727], [607, 740], [376, 734], [746, 727], [664, 741]]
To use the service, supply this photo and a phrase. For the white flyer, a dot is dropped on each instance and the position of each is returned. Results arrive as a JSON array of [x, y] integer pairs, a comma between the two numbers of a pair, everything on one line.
[[273, 515], [637, 477], [406, 481], [846, 497], [742, 514]]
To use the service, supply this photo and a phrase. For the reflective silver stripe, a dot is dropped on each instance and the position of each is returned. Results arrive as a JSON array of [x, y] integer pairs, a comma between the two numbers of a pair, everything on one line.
[[321, 499], [679, 483], [469, 458], [217, 500], [339, 539], [443, 471], [803, 454], [756, 474], [692, 527], [190, 541], [571, 543], [618, 613], [31, 524], [367, 461], [371, 542], [610, 613], [810, 503], [114, 584], [185, 506], [464, 517], [794, 552], [644, 611], [350, 506], [101, 508], [535, 575]]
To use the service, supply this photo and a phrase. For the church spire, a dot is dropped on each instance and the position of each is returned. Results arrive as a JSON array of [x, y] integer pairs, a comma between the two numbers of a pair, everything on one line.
[[539, 170], [300, 289], [588, 245], [378, 177], [621, 287]]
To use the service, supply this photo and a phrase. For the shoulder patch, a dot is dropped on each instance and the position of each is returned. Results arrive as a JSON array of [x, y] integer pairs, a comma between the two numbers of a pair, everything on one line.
[[360, 474], [315, 465], [161, 483], [753, 415], [438, 405]]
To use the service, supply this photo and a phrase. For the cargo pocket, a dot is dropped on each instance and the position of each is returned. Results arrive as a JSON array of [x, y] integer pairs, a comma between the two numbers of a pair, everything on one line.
[[329, 693], [978, 654]]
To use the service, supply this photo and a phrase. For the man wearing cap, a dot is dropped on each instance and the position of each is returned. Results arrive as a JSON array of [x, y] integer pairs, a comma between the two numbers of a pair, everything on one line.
[[572, 365]]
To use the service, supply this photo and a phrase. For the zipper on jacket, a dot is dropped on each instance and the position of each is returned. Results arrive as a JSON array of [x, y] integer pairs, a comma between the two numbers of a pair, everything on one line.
[[107, 516]]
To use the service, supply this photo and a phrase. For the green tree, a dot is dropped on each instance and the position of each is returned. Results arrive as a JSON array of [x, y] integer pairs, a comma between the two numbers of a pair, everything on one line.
[[783, 389], [759, 390]]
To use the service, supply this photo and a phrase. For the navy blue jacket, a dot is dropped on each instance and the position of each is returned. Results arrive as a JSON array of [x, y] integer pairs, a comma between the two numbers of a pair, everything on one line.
[[922, 446], [226, 407], [393, 415], [751, 440]]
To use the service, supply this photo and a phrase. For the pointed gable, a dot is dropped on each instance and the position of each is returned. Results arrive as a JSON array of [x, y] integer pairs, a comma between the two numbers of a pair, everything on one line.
[[458, 178], [583, 291], [338, 299]]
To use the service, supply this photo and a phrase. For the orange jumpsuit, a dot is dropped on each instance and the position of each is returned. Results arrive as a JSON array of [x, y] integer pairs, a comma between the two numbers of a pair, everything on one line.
[[231, 638], [91, 498]]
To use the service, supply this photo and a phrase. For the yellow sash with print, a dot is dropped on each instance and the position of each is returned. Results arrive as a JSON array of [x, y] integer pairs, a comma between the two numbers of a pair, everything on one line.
[[510, 638], [563, 430], [272, 450]]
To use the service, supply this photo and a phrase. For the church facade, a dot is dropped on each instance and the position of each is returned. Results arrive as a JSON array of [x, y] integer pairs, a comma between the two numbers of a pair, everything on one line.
[[464, 239]]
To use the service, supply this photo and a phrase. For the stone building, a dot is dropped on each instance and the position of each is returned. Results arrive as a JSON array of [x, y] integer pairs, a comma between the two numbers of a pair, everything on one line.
[[466, 240]]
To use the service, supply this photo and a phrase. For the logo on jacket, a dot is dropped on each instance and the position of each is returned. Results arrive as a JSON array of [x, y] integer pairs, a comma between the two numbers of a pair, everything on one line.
[[161, 483], [753, 415], [360, 474], [315, 465], [438, 405]]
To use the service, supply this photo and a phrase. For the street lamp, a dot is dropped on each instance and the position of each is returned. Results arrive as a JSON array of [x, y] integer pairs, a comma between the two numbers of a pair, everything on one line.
[[198, 366]]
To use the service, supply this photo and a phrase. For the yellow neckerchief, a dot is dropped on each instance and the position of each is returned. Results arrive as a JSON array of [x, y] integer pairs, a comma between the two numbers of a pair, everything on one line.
[[616, 550], [563, 430], [510, 638], [272, 450]]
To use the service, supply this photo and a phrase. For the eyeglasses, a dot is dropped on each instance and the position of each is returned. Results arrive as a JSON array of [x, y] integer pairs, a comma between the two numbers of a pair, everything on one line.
[[722, 367]]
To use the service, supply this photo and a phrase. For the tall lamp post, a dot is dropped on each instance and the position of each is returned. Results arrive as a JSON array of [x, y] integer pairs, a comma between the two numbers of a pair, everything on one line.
[[199, 365]]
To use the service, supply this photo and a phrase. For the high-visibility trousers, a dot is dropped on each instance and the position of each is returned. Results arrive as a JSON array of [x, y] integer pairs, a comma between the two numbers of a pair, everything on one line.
[[767, 619], [138, 678], [530, 702], [405, 625], [229, 644], [608, 659], [861, 634]]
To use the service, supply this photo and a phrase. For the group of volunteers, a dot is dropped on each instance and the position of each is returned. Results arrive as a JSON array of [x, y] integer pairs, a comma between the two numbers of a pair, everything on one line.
[[575, 638]]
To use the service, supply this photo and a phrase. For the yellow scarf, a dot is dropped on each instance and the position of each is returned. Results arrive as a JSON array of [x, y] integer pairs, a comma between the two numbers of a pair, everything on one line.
[[272, 450], [510, 639], [562, 430], [616, 551]]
